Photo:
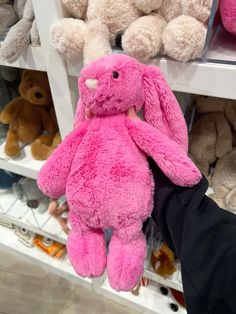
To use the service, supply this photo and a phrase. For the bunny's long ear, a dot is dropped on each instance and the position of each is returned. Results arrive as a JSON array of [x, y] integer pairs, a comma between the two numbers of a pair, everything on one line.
[[161, 108], [79, 114]]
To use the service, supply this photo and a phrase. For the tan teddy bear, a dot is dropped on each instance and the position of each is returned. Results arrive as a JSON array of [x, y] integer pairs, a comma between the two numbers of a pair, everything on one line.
[[223, 182], [211, 136], [178, 28], [28, 114]]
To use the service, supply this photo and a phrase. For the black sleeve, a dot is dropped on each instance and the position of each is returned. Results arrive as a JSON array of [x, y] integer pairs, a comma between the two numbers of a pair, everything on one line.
[[203, 236]]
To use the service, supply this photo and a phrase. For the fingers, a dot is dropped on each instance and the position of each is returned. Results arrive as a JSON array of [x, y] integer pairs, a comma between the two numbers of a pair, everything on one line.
[[131, 113]]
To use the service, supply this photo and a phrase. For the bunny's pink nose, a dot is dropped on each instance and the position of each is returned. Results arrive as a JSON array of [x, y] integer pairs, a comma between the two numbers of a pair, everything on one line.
[[91, 83]]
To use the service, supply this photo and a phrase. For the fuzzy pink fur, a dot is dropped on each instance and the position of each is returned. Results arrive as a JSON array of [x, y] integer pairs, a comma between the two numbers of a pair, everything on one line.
[[228, 15], [102, 166]]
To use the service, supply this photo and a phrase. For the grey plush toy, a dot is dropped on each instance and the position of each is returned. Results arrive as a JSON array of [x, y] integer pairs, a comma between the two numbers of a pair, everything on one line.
[[8, 17], [27, 191], [9, 80], [21, 34]]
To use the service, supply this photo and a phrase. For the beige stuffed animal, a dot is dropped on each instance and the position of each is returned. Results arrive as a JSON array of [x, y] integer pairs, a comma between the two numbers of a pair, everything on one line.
[[179, 25], [211, 136], [95, 25], [223, 182]]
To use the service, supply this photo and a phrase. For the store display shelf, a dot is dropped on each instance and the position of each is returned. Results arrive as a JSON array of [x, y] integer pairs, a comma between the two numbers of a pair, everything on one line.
[[32, 59], [18, 213], [10, 243], [173, 281], [222, 48], [203, 78], [24, 165], [150, 299]]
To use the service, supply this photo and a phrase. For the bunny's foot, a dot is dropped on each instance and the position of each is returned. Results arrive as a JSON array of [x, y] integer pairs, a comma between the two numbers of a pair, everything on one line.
[[125, 261], [87, 252]]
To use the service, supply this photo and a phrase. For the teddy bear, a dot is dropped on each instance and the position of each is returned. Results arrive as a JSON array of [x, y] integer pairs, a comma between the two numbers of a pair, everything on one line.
[[228, 15], [94, 25], [223, 181], [20, 34], [211, 136], [27, 115], [178, 28], [9, 80], [27, 191], [43, 146]]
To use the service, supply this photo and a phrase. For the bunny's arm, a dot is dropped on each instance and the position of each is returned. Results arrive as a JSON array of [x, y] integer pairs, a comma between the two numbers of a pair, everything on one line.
[[54, 173], [168, 155]]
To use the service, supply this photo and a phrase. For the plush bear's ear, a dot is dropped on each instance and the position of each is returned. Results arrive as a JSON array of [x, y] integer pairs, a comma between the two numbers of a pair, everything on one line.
[[26, 74], [161, 108]]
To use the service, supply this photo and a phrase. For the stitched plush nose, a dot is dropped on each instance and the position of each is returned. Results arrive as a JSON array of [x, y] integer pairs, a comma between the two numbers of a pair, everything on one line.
[[91, 83]]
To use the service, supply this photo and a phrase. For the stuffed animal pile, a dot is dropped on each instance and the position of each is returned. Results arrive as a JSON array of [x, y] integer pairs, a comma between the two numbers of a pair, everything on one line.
[[28, 115], [17, 28], [212, 146], [102, 165], [176, 27]]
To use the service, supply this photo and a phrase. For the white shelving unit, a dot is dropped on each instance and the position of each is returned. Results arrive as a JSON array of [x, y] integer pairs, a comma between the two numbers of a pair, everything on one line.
[[213, 78], [150, 299], [24, 165], [10, 243], [32, 59]]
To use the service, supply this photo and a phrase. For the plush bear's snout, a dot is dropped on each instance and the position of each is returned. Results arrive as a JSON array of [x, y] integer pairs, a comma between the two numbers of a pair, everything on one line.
[[91, 83]]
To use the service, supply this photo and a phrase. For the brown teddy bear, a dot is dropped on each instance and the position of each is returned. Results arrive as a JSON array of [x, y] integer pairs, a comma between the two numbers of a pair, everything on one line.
[[43, 146], [211, 136], [28, 114]]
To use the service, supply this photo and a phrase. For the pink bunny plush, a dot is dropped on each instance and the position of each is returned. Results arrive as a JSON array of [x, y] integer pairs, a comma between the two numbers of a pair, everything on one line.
[[102, 167]]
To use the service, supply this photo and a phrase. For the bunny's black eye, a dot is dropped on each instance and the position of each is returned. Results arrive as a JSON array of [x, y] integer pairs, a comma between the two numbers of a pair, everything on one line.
[[115, 74]]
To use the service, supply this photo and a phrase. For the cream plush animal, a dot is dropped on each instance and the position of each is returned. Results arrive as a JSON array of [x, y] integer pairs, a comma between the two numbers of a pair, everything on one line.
[[211, 136], [177, 28], [95, 24]]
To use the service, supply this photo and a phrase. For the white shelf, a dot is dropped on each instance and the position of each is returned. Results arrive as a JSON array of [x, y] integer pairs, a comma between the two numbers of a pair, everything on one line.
[[18, 213], [150, 299], [24, 165], [173, 281], [210, 79], [10, 242], [32, 59]]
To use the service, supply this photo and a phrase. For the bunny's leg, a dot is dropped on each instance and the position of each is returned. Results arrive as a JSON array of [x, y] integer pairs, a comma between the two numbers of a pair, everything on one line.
[[86, 248], [127, 252]]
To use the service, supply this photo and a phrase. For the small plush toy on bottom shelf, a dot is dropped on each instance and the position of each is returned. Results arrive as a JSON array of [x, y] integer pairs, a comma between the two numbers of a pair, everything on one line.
[[102, 165]]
